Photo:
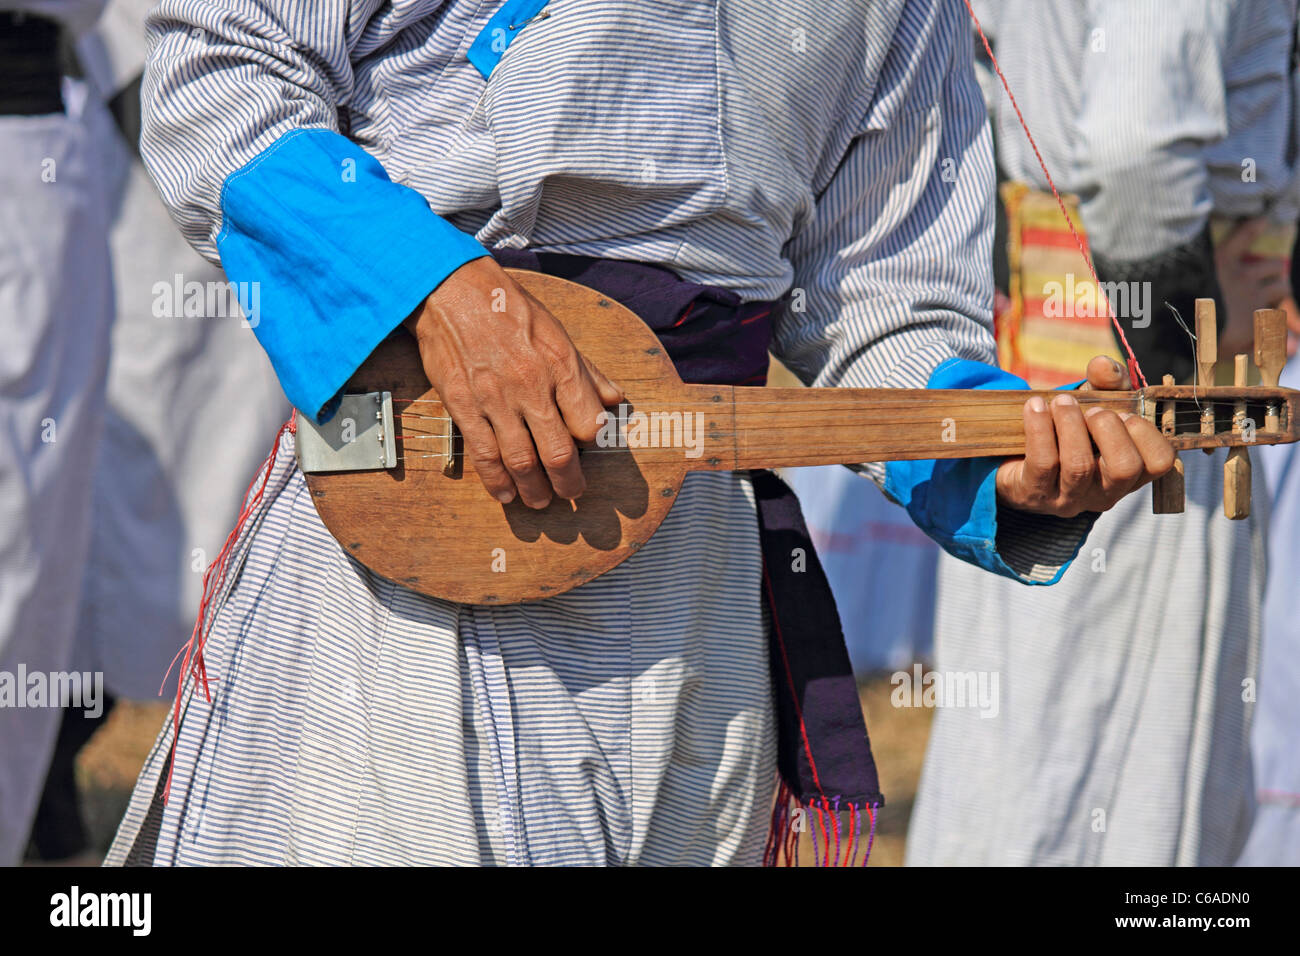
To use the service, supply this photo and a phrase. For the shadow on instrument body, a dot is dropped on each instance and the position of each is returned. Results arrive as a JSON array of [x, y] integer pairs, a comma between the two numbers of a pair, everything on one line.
[[595, 516], [428, 523]]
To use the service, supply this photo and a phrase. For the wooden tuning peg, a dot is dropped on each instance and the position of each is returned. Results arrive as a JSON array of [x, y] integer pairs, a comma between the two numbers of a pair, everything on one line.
[[1207, 357], [1236, 470], [1167, 492], [1270, 357]]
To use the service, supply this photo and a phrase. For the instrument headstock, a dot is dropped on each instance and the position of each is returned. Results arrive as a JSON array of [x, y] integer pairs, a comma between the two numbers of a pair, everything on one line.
[[1236, 416]]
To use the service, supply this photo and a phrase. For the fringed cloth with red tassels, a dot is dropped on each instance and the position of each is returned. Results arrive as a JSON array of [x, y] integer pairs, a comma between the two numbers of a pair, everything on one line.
[[839, 836]]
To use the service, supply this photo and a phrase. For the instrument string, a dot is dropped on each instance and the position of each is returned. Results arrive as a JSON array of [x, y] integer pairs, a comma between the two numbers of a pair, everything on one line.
[[1003, 407], [975, 398], [790, 422], [1196, 368], [854, 453]]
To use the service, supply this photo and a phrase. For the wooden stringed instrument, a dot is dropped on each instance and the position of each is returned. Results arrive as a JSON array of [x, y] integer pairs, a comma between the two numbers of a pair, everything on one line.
[[389, 480]]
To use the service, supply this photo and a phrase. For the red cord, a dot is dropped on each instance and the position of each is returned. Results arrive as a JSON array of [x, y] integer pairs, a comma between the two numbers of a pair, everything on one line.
[[1134, 370], [193, 664]]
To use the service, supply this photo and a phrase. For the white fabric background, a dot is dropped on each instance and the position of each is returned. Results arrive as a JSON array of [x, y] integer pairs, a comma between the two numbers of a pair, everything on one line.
[[55, 312]]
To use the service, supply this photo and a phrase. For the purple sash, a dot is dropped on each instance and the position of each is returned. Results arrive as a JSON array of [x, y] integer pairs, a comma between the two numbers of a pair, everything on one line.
[[823, 754]]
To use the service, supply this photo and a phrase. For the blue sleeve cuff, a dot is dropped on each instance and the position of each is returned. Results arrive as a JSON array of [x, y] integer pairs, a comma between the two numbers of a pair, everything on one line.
[[337, 256], [499, 32], [954, 501]]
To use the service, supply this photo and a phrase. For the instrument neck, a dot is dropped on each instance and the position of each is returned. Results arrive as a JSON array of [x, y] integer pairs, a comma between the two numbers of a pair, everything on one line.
[[735, 428]]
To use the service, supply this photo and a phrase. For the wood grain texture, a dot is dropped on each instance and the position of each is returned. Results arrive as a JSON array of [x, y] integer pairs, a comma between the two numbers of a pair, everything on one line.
[[429, 524], [1236, 470], [1270, 356], [1207, 341], [1168, 492], [443, 535], [1270, 344], [1207, 357]]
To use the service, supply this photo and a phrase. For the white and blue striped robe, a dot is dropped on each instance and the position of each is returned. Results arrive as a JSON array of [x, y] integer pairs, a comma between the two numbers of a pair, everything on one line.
[[838, 148]]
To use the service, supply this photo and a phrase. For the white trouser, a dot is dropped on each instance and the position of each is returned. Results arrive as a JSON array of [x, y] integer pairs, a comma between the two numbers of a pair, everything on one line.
[[55, 314], [193, 408]]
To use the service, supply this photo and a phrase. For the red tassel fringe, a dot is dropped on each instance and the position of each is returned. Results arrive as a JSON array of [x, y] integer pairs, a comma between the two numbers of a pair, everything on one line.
[[834, 834], [213, 579]]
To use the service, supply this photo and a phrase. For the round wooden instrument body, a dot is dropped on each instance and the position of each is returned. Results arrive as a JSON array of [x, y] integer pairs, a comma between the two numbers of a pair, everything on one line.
[[436, 530]]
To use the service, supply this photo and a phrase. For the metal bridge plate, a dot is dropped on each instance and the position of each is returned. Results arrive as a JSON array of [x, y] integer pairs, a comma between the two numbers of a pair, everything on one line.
[[358, 438]]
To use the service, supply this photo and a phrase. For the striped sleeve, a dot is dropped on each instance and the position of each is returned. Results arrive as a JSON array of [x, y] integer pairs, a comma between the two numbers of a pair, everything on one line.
[[1251, 167], [241, 104], [893, 281], [892, 274], [226, 79]]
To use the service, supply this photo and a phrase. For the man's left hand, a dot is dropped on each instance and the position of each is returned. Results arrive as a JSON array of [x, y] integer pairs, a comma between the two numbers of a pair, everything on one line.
[[1062, 473]]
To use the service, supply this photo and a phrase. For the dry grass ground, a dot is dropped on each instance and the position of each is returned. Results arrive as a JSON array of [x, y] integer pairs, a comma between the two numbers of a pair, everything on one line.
[[898, 739], [109, 764]]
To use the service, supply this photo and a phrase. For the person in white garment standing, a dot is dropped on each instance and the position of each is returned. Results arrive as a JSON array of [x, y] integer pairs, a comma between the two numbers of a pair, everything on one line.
[[1128, 743], [55, 314], [192, 408], [1275, 739]]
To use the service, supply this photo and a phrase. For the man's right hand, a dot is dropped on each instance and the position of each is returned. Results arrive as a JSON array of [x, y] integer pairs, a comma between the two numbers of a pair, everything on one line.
[[513, 382]]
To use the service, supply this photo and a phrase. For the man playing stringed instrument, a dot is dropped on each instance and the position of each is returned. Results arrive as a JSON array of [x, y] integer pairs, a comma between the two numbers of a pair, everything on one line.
[[815, 178]]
